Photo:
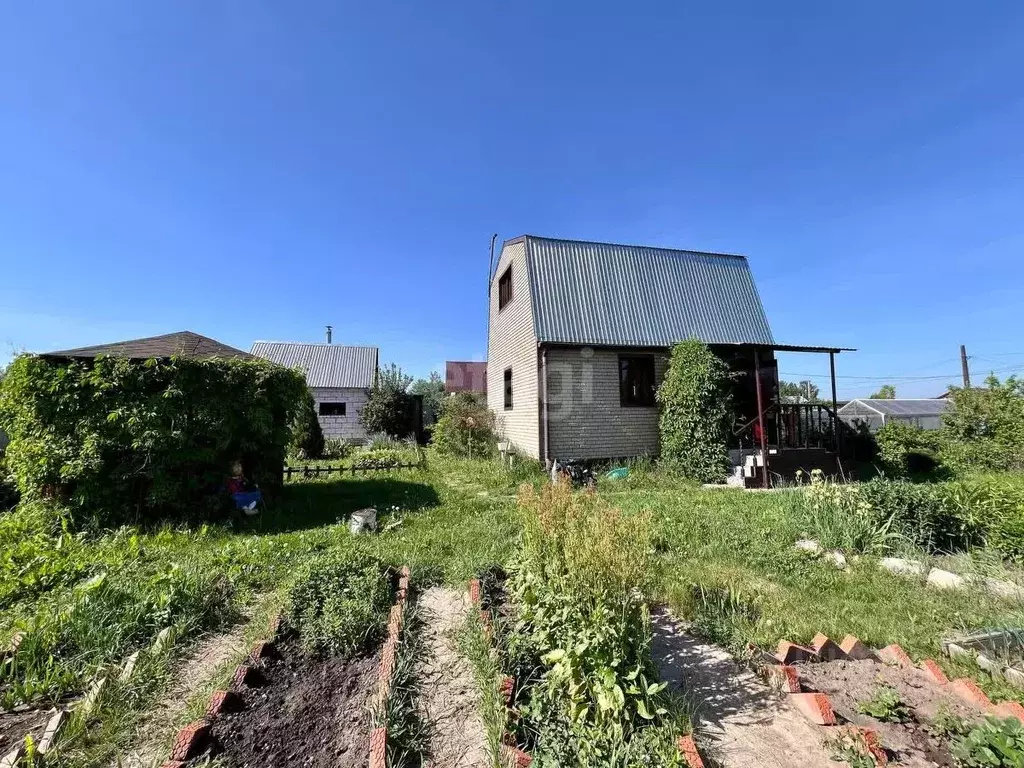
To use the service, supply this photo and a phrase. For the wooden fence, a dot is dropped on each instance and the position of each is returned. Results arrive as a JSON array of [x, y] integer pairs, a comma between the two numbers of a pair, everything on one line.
[[354, 469]]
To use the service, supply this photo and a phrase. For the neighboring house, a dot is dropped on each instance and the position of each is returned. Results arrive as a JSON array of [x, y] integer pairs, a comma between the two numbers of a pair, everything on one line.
[[923, 413], [338, 377], [579, 339], [465, 377], [179, 344]]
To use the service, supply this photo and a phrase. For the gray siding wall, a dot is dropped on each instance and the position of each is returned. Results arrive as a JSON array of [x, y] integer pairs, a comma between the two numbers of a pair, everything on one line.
[[585, 417], [345, 427], [512, 344]]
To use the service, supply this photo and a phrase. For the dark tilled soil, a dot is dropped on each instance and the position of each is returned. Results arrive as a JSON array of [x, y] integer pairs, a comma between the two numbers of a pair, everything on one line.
[[850, 682], [15, 726], [310, 712]]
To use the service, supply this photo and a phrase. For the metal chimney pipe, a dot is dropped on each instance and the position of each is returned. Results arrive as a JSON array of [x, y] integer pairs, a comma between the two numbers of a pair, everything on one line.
[[328, 334]]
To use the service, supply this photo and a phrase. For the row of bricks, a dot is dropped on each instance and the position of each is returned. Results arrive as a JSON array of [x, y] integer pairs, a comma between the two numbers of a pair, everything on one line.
[[386, 670]]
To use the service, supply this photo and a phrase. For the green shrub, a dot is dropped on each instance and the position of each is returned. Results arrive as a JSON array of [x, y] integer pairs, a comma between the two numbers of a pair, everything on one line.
[[119, 439], [842, 517], [466, 427], [8, 489], [696, 412], [339, 602], [906, 450], [335, 448], [307, 436], [381, 458], [992, 744], [923, 514], [994, 505], [389, 408], [984, 429]]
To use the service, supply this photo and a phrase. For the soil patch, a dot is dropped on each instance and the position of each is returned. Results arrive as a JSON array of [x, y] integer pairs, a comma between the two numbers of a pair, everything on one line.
[[151, 745], [15, 726], [311, 712], [449, 703], [742, 722], [850, 682]]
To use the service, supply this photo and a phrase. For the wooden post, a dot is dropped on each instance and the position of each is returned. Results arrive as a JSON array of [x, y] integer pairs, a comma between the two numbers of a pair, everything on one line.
[[836, 439], [760, 417]]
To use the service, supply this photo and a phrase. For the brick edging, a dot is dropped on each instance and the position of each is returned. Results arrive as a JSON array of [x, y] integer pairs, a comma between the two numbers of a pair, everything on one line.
[[386, 668]]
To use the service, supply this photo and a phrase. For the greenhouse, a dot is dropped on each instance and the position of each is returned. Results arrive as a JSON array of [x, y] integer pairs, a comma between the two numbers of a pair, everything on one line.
[[926, 414]]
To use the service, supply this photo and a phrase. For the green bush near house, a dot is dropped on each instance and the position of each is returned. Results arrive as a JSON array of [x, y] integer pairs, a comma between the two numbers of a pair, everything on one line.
[[117, 439], [466, 427], [307, 436], [984, 430], [696, 411], [905, 450], [389, 408]]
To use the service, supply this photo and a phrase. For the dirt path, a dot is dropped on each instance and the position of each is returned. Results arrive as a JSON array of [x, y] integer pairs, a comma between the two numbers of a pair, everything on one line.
[[449, 701], [192, 673], [741, 719]]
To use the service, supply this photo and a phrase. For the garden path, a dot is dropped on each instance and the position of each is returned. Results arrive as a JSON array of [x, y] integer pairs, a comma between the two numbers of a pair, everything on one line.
[[449, 702], [742, 723]]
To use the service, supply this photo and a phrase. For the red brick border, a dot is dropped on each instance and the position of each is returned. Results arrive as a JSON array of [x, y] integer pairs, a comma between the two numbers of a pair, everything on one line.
[[815, 706], [783, 677], [894, 654], [855, 649], [388, 661], [191, 740], [969, 691], [688, 749], [788, 652], [934, 672], [378, 747]]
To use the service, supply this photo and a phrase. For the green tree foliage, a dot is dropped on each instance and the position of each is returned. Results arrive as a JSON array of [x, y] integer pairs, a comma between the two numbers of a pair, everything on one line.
[[803, 392], [466, 427], [885, 392], [389, 409], [307, 436], [432, 392], [984, 428], [906, 450], [119, 439], [696, 411]]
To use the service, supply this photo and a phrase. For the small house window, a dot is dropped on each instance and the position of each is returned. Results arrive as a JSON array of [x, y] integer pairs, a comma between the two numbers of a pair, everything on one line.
[[636, 381], [508, 389], [332, 409], [505, 289]]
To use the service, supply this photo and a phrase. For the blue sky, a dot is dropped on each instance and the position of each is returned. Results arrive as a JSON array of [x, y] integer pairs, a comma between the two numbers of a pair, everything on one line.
[[254, 170]]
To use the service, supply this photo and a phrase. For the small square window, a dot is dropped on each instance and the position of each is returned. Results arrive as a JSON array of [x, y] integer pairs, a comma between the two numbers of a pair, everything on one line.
[[508, 389], [636, 381], [505, 289], [332, 409]]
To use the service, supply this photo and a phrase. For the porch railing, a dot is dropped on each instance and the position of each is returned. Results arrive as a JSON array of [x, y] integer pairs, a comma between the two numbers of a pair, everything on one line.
[[805, 425]]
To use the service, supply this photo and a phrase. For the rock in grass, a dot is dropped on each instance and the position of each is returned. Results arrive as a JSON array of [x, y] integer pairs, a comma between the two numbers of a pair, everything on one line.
[[809, 545], [901, 566], [941, 579]]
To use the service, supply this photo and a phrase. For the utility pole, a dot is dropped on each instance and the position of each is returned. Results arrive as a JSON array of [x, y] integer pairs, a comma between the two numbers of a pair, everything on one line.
[[964, 368]]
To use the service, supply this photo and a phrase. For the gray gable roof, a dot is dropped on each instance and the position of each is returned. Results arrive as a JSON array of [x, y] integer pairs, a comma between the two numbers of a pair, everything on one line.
[[180, 344], [629, 295], [325, 365]]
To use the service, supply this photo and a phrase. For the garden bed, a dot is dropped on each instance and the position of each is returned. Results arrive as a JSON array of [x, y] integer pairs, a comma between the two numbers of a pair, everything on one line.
[[305, 711]]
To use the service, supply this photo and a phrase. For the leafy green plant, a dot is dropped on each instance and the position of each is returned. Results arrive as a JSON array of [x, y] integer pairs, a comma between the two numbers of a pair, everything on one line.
[[721, 614], [335, 448], [946, 724], [696, 412], [118, 439], [984, 428], [992, 744], [466, 427], [307, 436], [389, 407], [885, 705], [381, 458], [340, 601], [905, 450], [842, 517]]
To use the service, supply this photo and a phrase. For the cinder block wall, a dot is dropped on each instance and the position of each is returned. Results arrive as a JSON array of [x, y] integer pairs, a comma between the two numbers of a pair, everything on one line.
[[512, 344], [585, 417], [345, 427]]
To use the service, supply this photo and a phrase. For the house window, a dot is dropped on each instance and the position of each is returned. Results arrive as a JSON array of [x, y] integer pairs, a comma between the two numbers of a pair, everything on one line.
[[636, 380], [505, 289], [508, 389], [332, 409]]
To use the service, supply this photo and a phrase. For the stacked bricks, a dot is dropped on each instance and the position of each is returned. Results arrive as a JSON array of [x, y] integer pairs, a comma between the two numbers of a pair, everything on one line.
[[194, 738], [386, 670]]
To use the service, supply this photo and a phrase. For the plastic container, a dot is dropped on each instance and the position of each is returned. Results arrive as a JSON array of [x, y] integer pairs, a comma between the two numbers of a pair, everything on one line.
[[363, 521]]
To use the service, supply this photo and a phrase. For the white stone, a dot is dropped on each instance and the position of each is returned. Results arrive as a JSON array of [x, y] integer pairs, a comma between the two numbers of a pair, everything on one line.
[[954, 651], [945, 579], [902, 567], [53, 728], [129, 666], [993, 667], [1014, 677], [809, 545], [161, 639], [11, 759], [838, 559], [1006, 589], [94, 694]]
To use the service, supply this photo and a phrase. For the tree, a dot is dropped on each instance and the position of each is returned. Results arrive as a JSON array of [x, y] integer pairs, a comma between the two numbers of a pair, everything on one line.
[[696, 412], [432, 391], [466, 427], [307, 437], [885, 392], [984, 427], [804, 392], [389, 408]]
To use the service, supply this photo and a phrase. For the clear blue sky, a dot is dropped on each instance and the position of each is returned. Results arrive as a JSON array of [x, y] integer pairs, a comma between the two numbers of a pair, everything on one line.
[[254, 170]]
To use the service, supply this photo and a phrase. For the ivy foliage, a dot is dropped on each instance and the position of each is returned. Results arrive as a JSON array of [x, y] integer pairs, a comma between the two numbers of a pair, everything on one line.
[[696, 411], [117, 439]]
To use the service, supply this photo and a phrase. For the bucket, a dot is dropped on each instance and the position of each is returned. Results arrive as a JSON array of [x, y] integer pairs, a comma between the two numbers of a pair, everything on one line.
[[363, 521]]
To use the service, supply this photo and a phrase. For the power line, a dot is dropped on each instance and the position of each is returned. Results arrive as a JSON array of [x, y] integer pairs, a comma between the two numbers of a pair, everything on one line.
[[895, 378]]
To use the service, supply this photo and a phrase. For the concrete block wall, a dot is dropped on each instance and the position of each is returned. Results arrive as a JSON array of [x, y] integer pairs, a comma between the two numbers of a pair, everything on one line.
[[586, 419], [345, 427]]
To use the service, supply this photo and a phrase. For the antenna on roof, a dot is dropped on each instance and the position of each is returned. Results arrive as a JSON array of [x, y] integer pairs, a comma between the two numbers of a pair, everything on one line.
[[329, 329]]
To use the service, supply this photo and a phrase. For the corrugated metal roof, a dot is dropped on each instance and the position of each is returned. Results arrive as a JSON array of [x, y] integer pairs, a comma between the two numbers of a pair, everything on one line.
[[628, 295], [325, 365], [900, 407]]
